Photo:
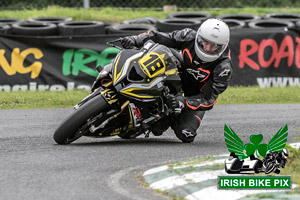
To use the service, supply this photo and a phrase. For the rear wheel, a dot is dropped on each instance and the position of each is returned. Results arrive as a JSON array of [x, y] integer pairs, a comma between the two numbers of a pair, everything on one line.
[[129, 29], [81, 28], [75, 125], [256, 168], [34, 29]]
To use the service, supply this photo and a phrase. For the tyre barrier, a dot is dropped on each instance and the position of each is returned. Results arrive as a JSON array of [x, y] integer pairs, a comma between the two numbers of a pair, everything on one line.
[[169, 25], [143, 20], [190, 15], [269, 23], [81, 28], [240, 17], [10, 21], [297, 27], [53, 20], [129, 29], [4, 28], [292, 17], [34, 29], [234, 24], [108, 24]]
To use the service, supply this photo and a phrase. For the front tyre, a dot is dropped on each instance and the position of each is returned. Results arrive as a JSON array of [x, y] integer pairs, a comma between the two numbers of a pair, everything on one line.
[[270, 168], [70, 129]]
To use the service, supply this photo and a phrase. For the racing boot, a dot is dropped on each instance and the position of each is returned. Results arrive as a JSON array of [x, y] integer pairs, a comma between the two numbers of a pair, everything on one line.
[[160, 126]]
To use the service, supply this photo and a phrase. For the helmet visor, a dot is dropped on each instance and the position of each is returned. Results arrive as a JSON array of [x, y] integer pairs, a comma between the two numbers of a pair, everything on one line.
[[209, 47]]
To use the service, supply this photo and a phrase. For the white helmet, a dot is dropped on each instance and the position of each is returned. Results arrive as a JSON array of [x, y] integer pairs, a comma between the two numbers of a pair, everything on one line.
[[285, 153], [215, 31]]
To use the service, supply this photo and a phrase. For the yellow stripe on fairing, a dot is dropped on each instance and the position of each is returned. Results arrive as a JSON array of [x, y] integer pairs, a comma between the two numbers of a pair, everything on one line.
[[116, 76], [129, 92]]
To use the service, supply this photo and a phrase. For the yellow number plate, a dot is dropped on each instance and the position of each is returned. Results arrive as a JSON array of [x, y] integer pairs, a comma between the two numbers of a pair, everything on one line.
[[152, 64]]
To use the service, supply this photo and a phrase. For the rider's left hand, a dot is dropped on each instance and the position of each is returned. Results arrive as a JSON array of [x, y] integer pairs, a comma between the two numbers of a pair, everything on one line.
[[171, 101], [174, 102], [128, 42], [131, 41]]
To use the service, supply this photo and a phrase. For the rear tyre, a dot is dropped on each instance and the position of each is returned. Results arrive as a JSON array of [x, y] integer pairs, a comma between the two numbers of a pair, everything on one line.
[[4, 28], [267, 24], [247, 18], [72, 127], [129, 29], [234, 24], [10, 21], [291, 17], [257, 168], [34, 29], [71, 28], [53, 20], [169, 25], [198, 16]]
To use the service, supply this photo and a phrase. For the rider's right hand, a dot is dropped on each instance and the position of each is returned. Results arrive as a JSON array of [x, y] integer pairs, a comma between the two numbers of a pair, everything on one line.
[[128, 42], [171, 101]]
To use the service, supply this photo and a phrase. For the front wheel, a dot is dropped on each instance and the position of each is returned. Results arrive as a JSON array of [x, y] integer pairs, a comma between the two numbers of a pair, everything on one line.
[[73, 127], [270, 168]]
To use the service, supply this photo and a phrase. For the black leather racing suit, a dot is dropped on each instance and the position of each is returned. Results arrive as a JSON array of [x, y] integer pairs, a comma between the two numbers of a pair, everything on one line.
[[202, 82]]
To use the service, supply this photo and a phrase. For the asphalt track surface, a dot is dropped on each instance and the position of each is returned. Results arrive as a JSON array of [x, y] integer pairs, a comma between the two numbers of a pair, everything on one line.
[[32, 166]]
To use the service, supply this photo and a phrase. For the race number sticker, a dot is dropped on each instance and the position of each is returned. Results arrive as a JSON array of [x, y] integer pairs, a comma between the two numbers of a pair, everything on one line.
[[152, 64]]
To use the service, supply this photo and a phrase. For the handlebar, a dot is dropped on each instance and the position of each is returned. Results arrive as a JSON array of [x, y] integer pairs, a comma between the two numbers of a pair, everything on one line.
[[111, 43]]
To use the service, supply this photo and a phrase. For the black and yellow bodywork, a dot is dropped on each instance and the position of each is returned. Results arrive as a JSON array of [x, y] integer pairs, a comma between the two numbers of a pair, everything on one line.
[[140, 74], [134, 91]]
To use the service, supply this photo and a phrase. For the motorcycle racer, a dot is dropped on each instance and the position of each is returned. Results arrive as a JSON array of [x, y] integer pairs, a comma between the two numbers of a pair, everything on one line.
[[205, 72], [276, 159]]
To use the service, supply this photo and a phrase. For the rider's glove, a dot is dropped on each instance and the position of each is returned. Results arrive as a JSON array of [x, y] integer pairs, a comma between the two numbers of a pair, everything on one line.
[[175, 103], [171, 101], [131, 41], [128, 42]]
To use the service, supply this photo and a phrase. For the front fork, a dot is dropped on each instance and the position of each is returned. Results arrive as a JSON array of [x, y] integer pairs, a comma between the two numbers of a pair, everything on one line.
[[114, 110]]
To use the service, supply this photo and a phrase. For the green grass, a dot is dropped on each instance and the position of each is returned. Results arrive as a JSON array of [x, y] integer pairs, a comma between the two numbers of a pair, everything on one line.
[[293, 168], [233, 95], [46, 99], [116, 15], [105, 14], [257, 95], [67, 99]]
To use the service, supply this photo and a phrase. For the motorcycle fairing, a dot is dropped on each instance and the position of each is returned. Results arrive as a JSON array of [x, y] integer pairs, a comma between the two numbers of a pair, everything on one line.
[[122, 64], [145, 90], [110, 96], [140, 74]]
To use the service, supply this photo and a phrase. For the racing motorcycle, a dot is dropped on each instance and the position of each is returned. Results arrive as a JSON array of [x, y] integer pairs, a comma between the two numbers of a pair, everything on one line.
[[274, 160], [130, 99]]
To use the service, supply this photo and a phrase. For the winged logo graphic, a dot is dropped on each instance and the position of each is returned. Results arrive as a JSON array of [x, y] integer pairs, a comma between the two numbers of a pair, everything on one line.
[[236, 145]]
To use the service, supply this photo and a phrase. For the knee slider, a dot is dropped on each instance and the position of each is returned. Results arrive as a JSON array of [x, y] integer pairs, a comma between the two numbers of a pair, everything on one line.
[[185, 134]]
